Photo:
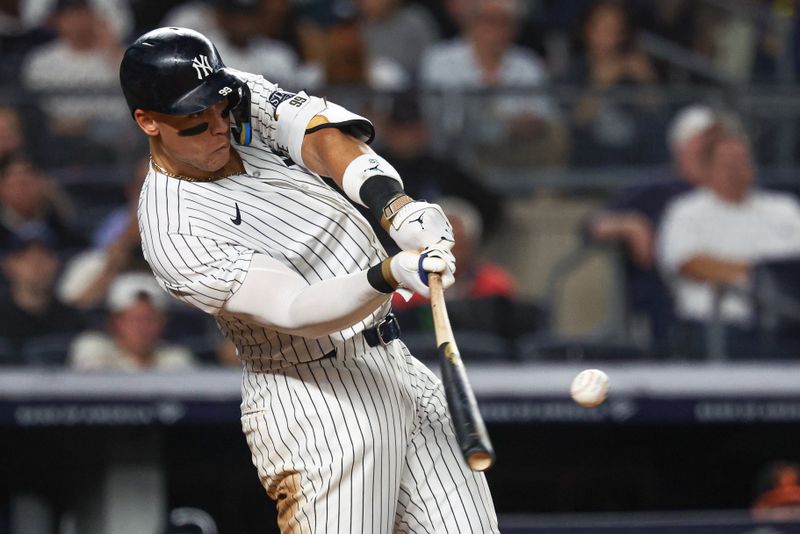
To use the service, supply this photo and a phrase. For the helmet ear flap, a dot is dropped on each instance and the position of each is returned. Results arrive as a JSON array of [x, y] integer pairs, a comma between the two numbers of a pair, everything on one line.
[[239, 108]]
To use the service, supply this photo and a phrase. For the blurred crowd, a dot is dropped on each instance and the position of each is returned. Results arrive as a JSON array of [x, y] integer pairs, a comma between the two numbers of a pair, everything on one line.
[[458, 89]]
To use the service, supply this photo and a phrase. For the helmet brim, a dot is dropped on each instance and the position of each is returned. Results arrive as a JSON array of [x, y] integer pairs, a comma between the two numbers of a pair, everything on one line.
[[207, 94]]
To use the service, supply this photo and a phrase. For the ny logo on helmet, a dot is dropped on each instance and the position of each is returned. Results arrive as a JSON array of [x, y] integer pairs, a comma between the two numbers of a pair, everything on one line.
[[201, 66]]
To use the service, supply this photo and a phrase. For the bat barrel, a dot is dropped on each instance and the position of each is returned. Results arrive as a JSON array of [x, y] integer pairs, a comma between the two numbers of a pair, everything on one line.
[[471, 433]]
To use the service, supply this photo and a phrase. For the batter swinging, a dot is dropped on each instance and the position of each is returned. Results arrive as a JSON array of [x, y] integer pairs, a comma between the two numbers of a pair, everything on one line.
[[348, 431]]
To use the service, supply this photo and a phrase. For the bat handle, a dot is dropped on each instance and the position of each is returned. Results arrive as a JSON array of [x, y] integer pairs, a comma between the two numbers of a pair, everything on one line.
[[443, 330]]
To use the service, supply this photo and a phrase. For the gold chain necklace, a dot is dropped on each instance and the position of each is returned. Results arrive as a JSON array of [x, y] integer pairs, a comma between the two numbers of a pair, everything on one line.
[[164, 171]]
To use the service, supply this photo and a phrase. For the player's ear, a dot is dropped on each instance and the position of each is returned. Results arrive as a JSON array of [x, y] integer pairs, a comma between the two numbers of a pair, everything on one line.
[[146, 122]]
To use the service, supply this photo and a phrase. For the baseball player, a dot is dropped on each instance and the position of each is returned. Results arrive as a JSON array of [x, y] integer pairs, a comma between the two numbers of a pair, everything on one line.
[[348, 431]]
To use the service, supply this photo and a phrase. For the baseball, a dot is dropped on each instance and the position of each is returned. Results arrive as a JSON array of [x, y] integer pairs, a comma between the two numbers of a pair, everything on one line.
[[589, 387]]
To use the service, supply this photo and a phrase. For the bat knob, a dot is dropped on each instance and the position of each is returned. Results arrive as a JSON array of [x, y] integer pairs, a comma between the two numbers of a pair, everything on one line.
[[480, 461]]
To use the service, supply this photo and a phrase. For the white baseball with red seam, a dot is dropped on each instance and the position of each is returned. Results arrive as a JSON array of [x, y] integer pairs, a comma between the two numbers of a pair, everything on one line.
[[589, 387]]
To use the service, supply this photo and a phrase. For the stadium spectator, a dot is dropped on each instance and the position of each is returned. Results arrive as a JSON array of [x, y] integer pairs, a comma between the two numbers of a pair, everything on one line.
[[11, 138], [483, 304], [18, 135], [347, 60], [714, 236], [282, 23], [631, 218], [195, 14], [30, 312], [239, 38], [135, 331], [118, 13], [116, 248], [516, 128], [17, 38], [81, 62], [396, 32], [478, 278], [605, 128], [29, 198], [777, 493]]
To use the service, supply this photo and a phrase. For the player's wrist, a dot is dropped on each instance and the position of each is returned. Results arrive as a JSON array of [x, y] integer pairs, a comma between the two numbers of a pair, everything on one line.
[[391, 209], [381, 278]]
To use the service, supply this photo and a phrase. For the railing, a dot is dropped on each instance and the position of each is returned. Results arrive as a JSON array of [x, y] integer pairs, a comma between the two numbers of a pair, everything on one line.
[[472, 126]]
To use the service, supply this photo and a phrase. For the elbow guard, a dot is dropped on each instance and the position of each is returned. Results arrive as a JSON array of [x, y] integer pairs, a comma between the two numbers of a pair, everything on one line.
[[294, 115]]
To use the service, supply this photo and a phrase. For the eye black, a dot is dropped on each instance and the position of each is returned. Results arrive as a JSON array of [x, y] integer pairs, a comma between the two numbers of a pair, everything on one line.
[[194, 130]]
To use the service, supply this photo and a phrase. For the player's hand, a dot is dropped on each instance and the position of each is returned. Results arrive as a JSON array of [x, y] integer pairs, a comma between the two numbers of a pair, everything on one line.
[[411, 269], [419, 225]]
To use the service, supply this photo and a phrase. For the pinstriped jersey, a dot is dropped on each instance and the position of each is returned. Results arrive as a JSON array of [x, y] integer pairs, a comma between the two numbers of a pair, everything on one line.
[[199, 237]]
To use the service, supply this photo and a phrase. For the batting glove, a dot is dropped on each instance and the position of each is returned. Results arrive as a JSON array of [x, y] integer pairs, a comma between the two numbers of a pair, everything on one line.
[[420, 224], [410, 269]]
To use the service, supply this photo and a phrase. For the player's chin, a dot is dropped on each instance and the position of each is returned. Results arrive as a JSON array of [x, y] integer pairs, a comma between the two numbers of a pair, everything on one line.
[[219, 157]]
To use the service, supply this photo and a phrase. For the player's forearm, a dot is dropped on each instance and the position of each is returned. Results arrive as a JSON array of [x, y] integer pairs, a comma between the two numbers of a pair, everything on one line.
[[364, 176], [706, 268], [275, 297], [329, 151], [371, 181]]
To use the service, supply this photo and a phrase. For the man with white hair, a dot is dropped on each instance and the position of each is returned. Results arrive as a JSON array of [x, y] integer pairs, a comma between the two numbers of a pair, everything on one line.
[[632, 217], [718, 234]]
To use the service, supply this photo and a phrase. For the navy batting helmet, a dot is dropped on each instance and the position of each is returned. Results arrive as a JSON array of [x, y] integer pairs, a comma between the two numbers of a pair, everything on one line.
[[178, 71]]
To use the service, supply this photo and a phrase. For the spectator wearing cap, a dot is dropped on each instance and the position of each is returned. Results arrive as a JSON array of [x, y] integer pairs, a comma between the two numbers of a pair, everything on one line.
[[29, 311], [632, 217], [29, 198], [135, 331]]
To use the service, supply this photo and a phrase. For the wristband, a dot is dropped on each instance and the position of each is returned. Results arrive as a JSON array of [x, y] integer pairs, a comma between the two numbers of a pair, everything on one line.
[[380, 277], [381, 192]]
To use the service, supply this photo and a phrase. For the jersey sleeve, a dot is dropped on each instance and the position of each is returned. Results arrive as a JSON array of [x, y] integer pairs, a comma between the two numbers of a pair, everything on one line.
[[199, 271], [280, 119]]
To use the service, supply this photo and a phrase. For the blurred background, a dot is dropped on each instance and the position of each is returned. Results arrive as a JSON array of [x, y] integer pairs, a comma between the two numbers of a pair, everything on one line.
[[623, 180]]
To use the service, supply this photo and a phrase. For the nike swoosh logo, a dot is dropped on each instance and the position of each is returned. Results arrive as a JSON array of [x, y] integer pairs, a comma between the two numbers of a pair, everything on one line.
[[238, 220]]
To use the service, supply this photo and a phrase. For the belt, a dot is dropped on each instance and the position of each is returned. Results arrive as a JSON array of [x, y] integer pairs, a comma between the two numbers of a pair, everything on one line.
[[388, 329], [384, 332]]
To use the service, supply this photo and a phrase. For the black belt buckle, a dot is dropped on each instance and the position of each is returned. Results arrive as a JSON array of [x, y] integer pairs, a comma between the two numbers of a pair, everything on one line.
[[388, 329]]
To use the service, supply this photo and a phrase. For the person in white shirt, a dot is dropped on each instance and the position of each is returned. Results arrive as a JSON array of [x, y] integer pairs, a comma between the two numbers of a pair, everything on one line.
[[518, 124], [82, 60], [136, 326], [715, 235]]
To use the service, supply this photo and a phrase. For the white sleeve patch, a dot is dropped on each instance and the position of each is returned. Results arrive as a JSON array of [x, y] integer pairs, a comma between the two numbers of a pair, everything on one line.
[[293, 116]]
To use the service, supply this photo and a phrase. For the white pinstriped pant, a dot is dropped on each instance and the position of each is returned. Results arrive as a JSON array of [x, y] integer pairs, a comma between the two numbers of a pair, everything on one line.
[[364, 444]]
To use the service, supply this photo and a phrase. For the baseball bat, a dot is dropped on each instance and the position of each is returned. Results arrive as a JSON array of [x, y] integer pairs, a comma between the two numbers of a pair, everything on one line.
[[467, 421]]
